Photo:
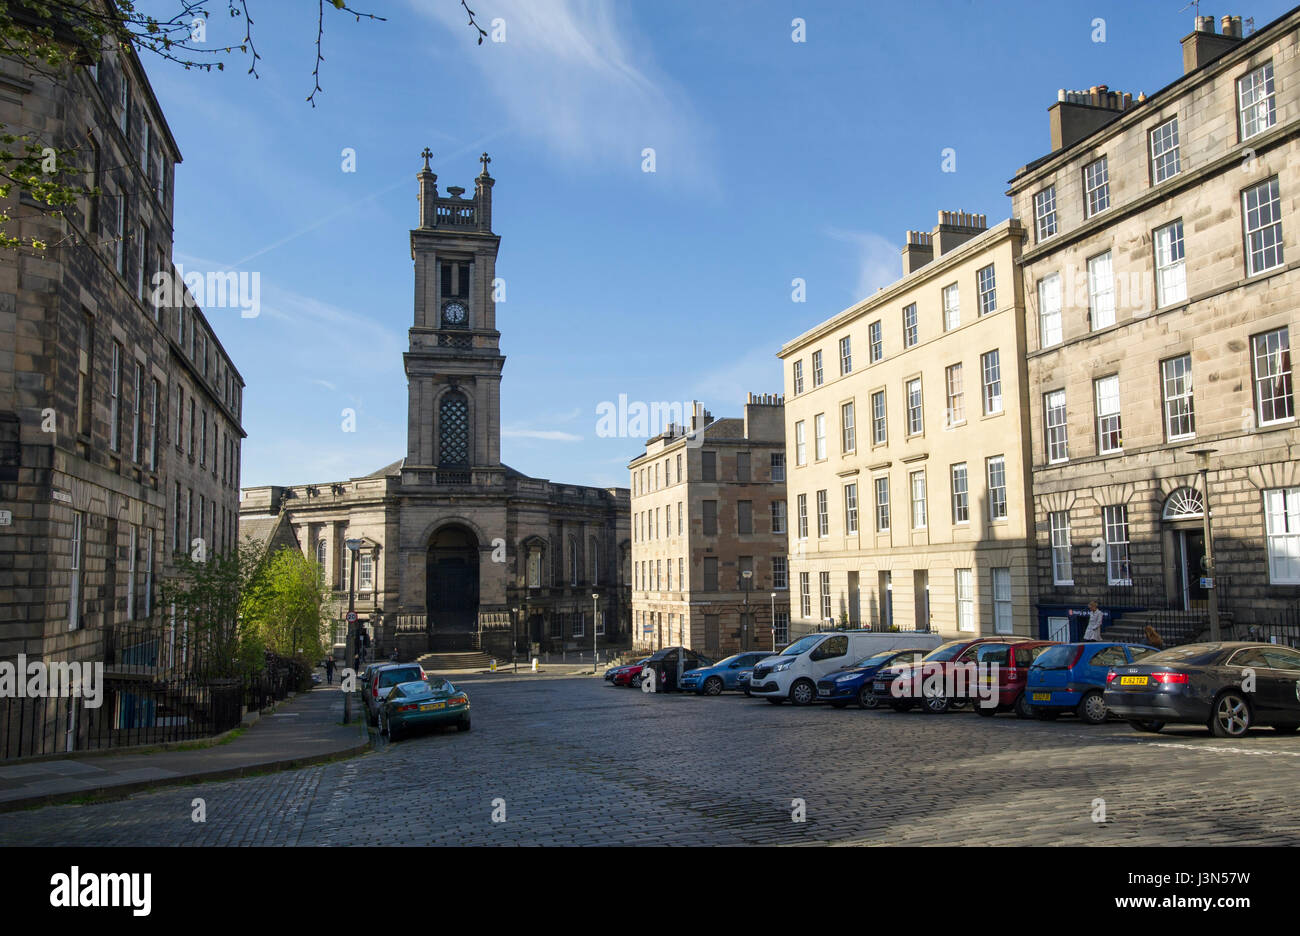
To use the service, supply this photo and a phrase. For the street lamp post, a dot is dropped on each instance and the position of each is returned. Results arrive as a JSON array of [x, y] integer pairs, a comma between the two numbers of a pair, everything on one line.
[[354, 546], [746, 574], [1203, 469], [594, 597], [774, 622]]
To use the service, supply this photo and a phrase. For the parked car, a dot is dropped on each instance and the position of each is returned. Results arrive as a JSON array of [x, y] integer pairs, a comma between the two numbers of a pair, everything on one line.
[[852, 683], [1013, 661], [423, 704], [629, 675], [792, 674], [910, 677], [381, 681], [1072, 678], [1228, 686], [725, 674], [622, 675], [665, 665]]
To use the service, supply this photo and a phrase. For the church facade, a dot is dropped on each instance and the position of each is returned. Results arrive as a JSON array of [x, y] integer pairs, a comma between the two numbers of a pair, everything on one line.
[[449, 549]]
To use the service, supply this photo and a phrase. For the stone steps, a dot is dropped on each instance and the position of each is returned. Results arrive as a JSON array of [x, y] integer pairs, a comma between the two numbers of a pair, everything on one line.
[[441, 662]]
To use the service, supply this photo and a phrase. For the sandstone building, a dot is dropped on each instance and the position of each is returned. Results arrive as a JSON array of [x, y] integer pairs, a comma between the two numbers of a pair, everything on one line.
[[120, 425], [709, 564], [1160, 282], [906, 440], [459, 551]]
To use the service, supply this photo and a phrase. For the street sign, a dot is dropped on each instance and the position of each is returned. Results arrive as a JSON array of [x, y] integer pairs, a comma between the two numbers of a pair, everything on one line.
[[6, 517], [351, 617], [1207, 582]]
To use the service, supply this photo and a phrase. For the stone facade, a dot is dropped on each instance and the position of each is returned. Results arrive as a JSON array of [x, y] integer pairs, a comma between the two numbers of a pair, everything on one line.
[[109, 401], [460, 550], [906, 438], [1172, 334], [708, 504]]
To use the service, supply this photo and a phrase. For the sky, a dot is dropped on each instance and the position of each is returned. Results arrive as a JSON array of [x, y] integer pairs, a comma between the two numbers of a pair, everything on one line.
[[774, 160]]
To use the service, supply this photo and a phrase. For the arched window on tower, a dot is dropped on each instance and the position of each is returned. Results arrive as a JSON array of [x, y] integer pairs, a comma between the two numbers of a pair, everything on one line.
[[453, 431], [322, 553]]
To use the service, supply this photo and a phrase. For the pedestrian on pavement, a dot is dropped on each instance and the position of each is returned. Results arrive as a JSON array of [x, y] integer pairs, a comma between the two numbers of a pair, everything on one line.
[[329, 669], [1092, 632]]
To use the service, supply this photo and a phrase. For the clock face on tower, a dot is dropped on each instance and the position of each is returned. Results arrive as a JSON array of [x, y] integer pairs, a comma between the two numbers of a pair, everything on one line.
[[454, 315]]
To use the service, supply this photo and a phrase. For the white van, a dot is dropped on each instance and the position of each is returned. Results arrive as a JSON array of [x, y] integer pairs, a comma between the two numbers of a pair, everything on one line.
[[793, 673]]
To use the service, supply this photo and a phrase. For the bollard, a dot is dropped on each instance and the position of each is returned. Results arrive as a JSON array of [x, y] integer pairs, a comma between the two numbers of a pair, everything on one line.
[[493, 667], [534, 664]]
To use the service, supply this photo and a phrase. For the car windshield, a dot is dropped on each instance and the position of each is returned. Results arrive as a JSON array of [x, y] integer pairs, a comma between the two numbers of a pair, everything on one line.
[[394, 677], [946, 651], [1056, 657], [802, 645], [875, 658], [408, 690], [1189, 653]]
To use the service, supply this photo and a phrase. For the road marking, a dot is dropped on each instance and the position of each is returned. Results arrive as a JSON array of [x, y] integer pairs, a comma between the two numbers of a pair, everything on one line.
[[1210, 748]]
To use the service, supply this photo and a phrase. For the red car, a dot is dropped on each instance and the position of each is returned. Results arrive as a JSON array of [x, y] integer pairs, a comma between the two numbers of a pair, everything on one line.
[[627, 675], [1013, 661], [952, 663]]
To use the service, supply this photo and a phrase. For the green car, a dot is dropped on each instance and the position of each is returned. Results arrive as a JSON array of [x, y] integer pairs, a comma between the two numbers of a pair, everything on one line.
[[422, 704]]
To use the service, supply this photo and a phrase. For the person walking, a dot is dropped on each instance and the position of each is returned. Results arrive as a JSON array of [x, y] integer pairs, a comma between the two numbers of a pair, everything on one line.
[[329, 669], [1092, 632]]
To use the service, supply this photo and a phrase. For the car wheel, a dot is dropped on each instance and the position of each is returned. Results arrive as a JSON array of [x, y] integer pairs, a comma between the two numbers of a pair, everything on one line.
[[713, 685], [776, 701], [1230, 716], [802, 692], [463, 724], [1022, 707], [867, 699], [393, 733], [987, 711], [1150, 726], [1092, 707], [936, 705], [901, 706]]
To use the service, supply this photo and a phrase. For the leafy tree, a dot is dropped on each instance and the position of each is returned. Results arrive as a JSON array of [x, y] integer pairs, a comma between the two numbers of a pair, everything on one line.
[[285, 603], [208, 596]]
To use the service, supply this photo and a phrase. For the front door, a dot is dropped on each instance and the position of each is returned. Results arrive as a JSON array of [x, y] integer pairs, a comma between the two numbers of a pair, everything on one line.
[[1190, 549]]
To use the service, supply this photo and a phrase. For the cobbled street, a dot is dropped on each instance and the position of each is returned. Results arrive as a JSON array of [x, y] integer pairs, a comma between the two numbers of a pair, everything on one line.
[[579, 762]]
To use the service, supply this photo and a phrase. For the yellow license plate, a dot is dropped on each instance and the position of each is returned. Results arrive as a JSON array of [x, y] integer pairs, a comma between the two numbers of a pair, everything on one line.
[[1042, 697], [1132, 680], [430, 706]]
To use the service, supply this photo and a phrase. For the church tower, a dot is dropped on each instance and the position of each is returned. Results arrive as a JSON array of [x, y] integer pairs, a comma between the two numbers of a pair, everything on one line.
[[453, 366]]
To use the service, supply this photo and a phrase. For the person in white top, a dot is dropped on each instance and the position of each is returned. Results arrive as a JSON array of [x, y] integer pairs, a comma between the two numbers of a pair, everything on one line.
[[1095, 616]]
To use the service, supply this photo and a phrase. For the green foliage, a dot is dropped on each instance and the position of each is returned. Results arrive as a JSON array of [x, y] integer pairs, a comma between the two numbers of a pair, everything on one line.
[[208, 596], [285, 602]]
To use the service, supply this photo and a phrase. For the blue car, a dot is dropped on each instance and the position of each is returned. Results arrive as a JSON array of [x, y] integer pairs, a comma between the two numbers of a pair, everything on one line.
[[1072, 678], [725, 674], [853, 683]]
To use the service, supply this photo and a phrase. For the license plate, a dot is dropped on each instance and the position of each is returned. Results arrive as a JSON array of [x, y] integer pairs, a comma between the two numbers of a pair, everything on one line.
[[430, 706], [823, 692], [1132, 680], [1042, 697]]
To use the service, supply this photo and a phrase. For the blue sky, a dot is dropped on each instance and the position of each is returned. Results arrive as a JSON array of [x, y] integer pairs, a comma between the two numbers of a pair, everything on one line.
[[774, 160]]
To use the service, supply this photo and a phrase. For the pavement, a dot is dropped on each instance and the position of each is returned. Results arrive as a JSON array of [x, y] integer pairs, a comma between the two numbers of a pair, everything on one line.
[[304, 730], [577, 761]]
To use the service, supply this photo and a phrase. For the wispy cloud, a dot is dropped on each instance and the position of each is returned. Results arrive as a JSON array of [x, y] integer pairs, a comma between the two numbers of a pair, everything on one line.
[[878, 259], [569, 76]]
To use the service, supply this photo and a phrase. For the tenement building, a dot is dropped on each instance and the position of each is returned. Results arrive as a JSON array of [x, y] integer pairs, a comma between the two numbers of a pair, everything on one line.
[[119, 408], [709, 518], [1160, 297], [455, 550], [905, 435]]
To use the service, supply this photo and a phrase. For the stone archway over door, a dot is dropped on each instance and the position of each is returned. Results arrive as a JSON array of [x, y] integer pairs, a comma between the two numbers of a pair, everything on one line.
[[451, 583], [1184, 548]]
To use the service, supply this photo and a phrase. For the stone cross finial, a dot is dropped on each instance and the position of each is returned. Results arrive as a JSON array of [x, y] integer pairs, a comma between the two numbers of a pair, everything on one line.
[[485, 159], [427, 154]]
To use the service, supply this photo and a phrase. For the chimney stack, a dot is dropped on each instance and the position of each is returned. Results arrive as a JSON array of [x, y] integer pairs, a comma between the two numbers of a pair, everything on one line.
[[917, 251], [1204, 45], [1076, 114], [955, 228]]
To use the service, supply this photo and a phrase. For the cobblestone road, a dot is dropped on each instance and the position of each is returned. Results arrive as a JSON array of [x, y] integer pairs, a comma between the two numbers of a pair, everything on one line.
[[576, 761]]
